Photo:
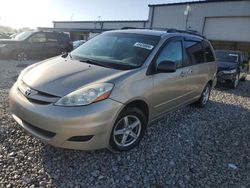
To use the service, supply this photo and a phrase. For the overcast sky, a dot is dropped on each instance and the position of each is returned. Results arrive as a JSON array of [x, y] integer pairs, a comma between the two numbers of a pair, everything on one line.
[[33, 13]]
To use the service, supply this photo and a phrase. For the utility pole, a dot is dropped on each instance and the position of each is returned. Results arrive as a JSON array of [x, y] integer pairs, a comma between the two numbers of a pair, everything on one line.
[[186, 13]]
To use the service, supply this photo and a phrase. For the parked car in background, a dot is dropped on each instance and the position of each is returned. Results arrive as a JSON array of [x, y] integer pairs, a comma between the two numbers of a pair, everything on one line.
[[4, 36], [35, 44], [106, 92], [232, 66], [78, 43]]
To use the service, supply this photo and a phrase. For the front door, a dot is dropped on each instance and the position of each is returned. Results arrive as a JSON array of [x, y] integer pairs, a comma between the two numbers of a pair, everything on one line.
[[170, 89]]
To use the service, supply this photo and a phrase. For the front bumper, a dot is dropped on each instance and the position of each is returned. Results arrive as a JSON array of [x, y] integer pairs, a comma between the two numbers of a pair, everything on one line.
[[55, 125], [5, 52], [222, 78]]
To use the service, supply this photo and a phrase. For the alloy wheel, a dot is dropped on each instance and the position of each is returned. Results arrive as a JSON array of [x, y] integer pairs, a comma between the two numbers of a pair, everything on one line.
[[22, 56], [127, 130]]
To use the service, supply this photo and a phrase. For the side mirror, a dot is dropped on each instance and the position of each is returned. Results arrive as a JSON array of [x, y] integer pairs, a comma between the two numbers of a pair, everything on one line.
[[166, 66]]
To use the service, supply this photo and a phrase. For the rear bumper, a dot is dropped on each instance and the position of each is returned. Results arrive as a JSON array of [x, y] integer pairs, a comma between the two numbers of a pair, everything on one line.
[[57, 125]]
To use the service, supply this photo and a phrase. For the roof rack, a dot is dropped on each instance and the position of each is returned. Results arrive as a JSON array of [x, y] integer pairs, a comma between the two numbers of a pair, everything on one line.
[[192, 32], [48, 30], [171, 30]]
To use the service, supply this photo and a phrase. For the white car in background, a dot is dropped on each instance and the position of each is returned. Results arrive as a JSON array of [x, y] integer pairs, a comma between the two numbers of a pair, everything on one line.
[[78, 43]]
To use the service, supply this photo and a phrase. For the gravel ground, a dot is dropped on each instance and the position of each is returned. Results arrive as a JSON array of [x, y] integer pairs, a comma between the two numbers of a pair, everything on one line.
[[189, 148]]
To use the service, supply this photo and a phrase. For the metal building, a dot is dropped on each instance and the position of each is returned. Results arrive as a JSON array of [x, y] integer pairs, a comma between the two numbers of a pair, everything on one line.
[[225, 22]]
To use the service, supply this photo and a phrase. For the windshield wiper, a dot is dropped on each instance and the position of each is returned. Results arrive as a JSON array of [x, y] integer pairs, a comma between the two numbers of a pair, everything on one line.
[[94, 62]]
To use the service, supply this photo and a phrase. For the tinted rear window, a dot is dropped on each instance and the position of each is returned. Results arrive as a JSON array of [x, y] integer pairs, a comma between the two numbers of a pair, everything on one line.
[[227, 56], [62, 37], [195, 51], [51, 37]]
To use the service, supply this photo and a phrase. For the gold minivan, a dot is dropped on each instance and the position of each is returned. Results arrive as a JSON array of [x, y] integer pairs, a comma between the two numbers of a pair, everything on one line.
[[105, 93]]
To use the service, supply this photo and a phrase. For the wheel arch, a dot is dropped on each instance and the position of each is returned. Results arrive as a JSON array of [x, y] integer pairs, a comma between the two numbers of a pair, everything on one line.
[[19, 49], [141, 105], [210, 82]]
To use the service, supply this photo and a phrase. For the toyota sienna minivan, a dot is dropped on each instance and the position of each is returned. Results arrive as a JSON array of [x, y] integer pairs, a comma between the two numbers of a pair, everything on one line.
[[105, 93]]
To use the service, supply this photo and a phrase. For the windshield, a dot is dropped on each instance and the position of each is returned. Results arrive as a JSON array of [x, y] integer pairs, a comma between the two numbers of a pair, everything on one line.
[[117, 50], [227, 57], [23, 35]]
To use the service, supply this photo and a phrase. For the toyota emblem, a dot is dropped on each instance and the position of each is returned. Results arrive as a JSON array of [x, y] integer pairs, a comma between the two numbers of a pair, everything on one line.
[[27, 92]]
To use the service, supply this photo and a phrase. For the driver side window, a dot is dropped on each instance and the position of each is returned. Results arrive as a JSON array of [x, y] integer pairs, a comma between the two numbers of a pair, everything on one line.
[[171, 52], [39, 37]]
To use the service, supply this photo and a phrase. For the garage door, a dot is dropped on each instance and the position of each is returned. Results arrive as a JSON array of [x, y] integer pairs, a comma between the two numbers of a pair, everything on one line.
[[228, 28]]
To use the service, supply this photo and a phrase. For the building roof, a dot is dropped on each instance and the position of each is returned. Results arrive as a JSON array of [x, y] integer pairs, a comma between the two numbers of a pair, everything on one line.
[[100, 21], [194, 2]]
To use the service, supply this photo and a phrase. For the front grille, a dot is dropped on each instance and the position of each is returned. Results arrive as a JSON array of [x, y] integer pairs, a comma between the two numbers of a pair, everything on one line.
[[36, 96], [38, 101], [39, 131]]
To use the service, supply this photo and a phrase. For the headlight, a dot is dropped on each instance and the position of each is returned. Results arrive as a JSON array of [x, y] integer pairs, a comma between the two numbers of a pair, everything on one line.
[[229, 71], [86, 95], [2, 45]]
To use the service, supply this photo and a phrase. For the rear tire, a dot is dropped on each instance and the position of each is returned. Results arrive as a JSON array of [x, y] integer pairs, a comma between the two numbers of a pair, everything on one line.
[[62, 51], [204, 98], [128, 130]]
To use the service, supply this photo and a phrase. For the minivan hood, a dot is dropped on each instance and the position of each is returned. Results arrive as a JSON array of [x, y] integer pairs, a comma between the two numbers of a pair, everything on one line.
[[8, 41], [60, 76], [226, 65]]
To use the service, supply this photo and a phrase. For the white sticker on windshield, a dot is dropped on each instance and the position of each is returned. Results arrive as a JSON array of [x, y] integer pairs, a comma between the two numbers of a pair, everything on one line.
[[234, 55], [145, 46]]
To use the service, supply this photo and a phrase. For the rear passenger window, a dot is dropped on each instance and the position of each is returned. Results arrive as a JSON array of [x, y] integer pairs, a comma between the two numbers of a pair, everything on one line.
[[172, 52], [51, 37], [195, 51], [208, 52]]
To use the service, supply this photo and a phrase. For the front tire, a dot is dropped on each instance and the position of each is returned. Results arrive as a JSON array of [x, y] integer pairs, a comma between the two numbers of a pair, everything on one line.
[[21, 55], [244, 78], [128, 130], [235, 82]]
